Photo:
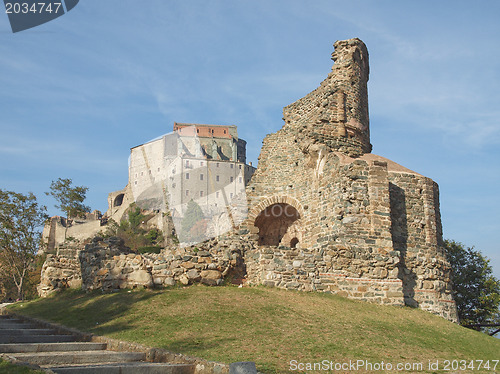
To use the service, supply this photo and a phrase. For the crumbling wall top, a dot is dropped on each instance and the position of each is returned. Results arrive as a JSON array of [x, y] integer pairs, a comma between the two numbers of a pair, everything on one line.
[[348, 51], [336, 113]]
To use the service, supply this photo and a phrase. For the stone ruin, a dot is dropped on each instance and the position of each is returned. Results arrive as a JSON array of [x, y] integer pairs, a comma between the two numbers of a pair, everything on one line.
[[325, 214]]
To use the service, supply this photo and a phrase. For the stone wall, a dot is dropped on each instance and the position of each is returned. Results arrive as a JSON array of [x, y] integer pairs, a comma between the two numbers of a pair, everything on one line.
[[61, 270], [321, 270], [417, 235], [107, 265], [56, 230]]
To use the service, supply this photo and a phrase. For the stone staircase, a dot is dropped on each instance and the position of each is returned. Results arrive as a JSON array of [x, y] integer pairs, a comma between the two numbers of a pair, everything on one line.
[[24, 342]]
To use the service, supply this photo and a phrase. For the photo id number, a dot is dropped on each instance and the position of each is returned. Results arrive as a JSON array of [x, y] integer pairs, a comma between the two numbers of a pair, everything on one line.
[[24, 8]]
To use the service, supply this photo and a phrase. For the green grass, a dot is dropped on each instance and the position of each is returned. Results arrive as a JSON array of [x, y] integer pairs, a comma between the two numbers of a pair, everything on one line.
[[7, 367], [265, 325]]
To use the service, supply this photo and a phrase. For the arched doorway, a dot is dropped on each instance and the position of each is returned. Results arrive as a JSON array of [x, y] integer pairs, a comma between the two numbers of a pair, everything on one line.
[[274, 221]]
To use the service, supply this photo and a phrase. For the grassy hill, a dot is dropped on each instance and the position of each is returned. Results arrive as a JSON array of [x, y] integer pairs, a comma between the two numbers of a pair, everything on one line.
[[8, 368], [277, 329]]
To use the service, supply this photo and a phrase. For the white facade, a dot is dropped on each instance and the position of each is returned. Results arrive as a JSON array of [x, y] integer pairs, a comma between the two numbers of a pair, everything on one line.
[[168, 172]]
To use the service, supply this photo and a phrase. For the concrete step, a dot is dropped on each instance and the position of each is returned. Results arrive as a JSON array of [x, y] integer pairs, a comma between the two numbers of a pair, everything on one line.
[[51, 347], [78, 357], [4, 339], [26, 343], [15, 332], [127, 368]]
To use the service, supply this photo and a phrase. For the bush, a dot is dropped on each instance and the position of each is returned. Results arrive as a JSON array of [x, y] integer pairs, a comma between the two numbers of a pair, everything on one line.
[[132, 232], [150, 249]]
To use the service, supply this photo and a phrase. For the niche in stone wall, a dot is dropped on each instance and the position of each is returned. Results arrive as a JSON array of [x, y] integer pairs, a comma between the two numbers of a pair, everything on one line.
[[273, 223]]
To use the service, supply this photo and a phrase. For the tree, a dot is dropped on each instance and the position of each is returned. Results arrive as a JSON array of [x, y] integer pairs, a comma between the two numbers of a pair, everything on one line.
[[133, 232], [70, 199], [21, 222], [135, 218], [476, 290]]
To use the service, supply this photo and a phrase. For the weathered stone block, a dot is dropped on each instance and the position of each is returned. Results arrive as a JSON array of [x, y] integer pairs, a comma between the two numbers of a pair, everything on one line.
[[211, 274], [193, 275]]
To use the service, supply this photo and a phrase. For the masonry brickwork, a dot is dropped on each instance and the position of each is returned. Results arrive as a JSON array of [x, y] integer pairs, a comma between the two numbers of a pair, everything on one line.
[[325, 214], [331, 216], [106, 264]]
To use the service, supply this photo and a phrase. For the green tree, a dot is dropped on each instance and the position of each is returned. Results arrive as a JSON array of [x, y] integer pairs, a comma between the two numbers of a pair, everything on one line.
[[193, 224], [135, 218], [21, 224], [70, 199], [476, 290]]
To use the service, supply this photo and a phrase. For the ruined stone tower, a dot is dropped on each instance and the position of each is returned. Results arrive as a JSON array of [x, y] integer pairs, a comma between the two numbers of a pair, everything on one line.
[[324, 214], [328, 215]]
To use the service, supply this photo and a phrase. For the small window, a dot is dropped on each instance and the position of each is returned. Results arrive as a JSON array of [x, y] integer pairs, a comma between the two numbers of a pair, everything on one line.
[[231, 195], [217, 194], [217, 179], [158, 169], [198, 131], [187, 192], [231, 179], [232, 166], [201, 163], [224, 131], [240, 167], [187, 175], [187, 162], [217, 164], [135, 182], [201, 193], [201, 177], [142, 173]]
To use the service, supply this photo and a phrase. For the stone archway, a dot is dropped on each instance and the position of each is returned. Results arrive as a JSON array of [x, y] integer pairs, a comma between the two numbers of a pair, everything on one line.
[[274, 221]]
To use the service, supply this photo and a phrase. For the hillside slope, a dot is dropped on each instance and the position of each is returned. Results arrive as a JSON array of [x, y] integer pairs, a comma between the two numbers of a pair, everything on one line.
[[277, 329]]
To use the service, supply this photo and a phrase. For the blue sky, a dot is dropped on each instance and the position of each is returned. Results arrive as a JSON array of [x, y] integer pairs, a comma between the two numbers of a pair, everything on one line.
[[78, 92]]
